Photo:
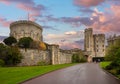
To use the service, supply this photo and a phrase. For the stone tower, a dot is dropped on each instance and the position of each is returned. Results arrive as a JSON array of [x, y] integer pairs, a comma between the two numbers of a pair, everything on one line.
[[24, 28], [94, 44], [88, 42], [99, 45]]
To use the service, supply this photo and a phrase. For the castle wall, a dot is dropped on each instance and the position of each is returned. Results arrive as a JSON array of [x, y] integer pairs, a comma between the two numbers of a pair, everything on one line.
[[33, 56], [65, 58], [53, 56], [59, 57]]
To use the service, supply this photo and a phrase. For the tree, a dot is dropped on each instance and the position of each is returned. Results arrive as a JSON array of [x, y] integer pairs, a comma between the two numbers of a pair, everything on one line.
[[113, 55], [42, 46], [112, 50], [9, 55], [78, 57], [3, 51], [10, 41], [25, 42], [13, 56]]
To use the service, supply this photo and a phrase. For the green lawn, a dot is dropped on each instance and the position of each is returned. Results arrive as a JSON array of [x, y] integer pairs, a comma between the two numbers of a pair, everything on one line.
[[104, 64], [14, 75]]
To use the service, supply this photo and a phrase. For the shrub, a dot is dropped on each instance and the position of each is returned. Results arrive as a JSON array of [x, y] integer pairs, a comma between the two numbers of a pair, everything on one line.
[[10, 55], [10, 41], [78, 58], [25, 42], [13, 56], [42, 63], [113, 71], [2, 63]]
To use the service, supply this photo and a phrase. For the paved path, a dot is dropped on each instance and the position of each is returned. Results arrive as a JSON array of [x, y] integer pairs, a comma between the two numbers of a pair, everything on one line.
[[88, 73]]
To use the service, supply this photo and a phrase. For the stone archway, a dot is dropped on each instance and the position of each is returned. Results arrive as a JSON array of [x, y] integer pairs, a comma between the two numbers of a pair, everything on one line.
[[89, 59]]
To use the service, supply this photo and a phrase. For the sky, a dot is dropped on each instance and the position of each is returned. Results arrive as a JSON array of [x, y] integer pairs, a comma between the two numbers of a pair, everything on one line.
[[63, 21]]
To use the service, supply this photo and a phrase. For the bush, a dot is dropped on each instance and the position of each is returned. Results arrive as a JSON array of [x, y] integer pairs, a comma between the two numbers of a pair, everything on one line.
[[13, 56], [25, 42], [10, 41], [113, 71], [42, 63], [2, 63], [10, 55], [78, 58]]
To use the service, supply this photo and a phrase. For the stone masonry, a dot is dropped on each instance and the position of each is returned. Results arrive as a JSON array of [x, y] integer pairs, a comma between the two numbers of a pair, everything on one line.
[[52, 55], [94, 44]]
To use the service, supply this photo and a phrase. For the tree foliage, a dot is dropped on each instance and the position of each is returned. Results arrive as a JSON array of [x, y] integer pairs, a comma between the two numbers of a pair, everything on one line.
[[10, 40], [42, 46], [113, 55], [38, 45], [78, 57], [112, 52], [10, 55], [25, 42]]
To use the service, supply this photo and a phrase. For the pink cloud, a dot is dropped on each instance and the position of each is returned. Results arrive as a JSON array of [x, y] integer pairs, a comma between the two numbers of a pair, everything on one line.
[[29, 6], [4, 22], [69, 45], [107, 22], [88, 3]]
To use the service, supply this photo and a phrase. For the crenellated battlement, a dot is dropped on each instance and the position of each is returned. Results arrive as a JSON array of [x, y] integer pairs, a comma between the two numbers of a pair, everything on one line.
[[25, 22]]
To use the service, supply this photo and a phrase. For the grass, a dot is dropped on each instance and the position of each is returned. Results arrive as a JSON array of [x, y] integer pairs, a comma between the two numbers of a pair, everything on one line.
[[15, 75], [104, 64], [112, 71]]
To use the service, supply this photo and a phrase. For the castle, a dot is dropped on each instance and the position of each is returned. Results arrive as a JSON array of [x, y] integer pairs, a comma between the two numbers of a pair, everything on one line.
[[94, 45], [53, 55], [113, 40]]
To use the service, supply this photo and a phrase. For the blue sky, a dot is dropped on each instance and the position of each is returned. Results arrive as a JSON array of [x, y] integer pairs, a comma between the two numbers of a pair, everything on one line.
[[63, 21]]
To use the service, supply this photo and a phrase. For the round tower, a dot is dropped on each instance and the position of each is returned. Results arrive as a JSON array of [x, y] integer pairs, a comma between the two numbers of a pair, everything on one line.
[[24, 28]]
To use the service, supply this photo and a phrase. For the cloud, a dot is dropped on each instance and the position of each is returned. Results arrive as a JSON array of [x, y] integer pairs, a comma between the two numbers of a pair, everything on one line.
[[70, 33], [29, 6], [107, 21], [66, 40], [73, 21], [69, 45], [2, 38], [86, 10], [4, 22], [88, 3], [49, 27]]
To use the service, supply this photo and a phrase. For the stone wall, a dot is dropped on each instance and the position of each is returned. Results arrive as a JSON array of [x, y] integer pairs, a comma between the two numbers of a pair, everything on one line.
[[65, 58], [52, 56], [33, 56]]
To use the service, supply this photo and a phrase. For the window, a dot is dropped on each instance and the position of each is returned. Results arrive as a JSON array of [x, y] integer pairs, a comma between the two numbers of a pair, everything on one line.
[[97, 45], [103, 45]]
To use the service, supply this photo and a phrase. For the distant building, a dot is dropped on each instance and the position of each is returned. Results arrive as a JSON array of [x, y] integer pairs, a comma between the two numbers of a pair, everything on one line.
[[94, 44], [113, 40]]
